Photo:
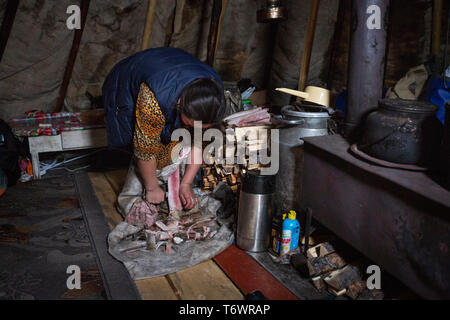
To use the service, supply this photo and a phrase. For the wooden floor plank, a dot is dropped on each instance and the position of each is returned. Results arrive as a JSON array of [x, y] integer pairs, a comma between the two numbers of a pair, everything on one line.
[[116, 179], [107, 198], [205, 281], [149, 289], [155, 289]]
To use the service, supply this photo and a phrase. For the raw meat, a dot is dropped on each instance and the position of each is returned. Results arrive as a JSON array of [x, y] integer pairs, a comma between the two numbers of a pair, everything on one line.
[[175, 205], [142, 213], [242, 114], [249, 118]]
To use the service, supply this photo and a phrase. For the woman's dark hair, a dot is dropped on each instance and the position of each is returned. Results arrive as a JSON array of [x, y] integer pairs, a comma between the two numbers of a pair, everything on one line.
[[203, 100]]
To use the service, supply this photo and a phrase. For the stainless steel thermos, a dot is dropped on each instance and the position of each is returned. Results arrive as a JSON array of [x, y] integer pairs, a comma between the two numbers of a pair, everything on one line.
[[255, 212]]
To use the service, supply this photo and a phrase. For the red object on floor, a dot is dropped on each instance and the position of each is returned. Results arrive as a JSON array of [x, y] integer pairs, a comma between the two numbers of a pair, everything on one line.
[[248, 275]]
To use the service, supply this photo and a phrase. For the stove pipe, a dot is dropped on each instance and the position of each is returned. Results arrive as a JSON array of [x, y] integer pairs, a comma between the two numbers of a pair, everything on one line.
[[366, 62]]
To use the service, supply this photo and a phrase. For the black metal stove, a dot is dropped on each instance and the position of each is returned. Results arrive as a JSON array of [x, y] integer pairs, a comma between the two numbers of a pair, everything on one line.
[[399, 219]]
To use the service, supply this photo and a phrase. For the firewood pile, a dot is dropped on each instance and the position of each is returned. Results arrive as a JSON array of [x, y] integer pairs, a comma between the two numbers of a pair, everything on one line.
[[231, 173], [330, 272], [214, 174]]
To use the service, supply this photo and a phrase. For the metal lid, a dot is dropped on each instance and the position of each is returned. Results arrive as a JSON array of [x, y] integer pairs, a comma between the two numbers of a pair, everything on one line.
[[271, 14], [410, 106], [255, 183], [293, 112]]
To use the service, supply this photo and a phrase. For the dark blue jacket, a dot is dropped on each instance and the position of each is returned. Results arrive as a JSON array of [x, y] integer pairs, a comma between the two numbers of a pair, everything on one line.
[[167, 71]]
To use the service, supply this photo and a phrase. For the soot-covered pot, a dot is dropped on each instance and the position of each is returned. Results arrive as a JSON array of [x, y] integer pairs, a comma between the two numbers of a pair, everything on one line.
[[403, 132]]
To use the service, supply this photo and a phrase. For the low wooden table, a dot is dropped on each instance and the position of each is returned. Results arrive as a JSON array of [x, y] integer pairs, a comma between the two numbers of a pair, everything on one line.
[[67, 140], [77, 131]]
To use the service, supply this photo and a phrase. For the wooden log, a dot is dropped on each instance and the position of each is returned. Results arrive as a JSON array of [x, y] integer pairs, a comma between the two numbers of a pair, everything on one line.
[[72, 56], [320, 250], [354, 290], [7, 24], [232, 179], [319, 283], [309, 41], [318, 266], [255, 166], [148, 24], [337, 293], [213, 37], [343, 278]]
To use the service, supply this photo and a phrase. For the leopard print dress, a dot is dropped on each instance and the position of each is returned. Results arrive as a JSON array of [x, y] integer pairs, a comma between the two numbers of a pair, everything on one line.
[[150, 122]]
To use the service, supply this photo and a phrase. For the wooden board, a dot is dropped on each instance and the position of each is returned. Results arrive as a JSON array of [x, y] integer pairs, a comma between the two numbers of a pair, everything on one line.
[[155, 289], [205, 281], [116, 179]]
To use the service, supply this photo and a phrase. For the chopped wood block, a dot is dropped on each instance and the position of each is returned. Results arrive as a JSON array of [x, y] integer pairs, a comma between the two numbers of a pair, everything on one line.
[[228, 168], [211, 178], [356, 289], [255, 166], [371, 295], [320, 250], [232, 180], [320, 265], [337, 293], [318, 283], [343, 278]]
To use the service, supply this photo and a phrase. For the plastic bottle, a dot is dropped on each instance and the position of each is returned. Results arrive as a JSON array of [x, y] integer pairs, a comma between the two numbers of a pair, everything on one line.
[[290, 234], [247, 104], [277, 229]]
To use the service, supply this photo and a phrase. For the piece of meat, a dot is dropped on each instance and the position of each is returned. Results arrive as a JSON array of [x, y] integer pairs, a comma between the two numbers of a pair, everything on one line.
[[173, 226], [259, 123], [241, 114], [252, 117], [198, 224], [142, 212], [174, 193]]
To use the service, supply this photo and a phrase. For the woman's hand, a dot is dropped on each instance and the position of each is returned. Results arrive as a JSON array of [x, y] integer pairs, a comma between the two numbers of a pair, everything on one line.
[[155, 195], [187, 196]]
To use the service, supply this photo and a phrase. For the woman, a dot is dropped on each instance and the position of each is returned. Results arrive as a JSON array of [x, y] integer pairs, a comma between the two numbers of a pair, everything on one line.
[[146, 97]]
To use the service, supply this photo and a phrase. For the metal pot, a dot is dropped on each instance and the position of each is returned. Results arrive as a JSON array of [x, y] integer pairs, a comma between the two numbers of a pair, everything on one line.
[[296, 125], [402, 131], [309, 121]]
